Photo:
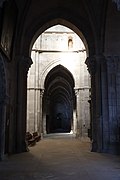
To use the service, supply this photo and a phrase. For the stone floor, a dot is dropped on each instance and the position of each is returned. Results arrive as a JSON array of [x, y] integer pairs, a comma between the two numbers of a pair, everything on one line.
[[60, 158]]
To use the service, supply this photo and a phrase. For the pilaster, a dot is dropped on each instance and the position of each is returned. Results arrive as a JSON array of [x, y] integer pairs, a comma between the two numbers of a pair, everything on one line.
[[78, 121], [91, 64], [24, 64], [113, 71], [79, 114], [99, 103], [46, 113], [40, 127]]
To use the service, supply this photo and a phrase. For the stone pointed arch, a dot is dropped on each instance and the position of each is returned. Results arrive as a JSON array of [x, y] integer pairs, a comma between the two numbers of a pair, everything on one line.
[[48, 69], [79, 24], [61, 71], [59, 89], [63, 22]]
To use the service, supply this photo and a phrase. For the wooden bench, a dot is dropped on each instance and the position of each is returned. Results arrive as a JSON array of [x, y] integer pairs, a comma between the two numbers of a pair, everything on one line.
[[30, 139], [36, 136]]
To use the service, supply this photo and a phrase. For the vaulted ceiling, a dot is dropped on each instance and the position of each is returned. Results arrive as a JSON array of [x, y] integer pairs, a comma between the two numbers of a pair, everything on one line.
[[84, 16], [94, 21]]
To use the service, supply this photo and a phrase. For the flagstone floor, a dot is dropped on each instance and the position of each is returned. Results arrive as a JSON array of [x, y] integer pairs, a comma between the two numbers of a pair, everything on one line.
[[60, 158]]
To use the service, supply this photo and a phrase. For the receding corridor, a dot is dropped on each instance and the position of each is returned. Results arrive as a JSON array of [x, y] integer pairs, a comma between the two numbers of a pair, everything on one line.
[[61, 158]]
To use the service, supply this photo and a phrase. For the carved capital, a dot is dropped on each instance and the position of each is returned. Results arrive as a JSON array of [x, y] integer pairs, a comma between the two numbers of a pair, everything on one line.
[[25, 62], [91, 64], [41, 92], [95, 62], [76, 91]]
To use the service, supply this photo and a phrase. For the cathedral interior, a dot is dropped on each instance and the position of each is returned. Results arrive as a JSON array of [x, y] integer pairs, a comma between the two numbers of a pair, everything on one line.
[[60, 72]]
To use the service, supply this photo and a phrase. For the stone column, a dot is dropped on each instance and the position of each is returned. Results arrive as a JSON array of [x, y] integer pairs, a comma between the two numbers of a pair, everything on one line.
[[73, 124], [41, 113], [104, 104], [99, 103], [91, 64], [98, 96], [78, 122], [117, 60], [46, 113], [24, 64], [113, 70]]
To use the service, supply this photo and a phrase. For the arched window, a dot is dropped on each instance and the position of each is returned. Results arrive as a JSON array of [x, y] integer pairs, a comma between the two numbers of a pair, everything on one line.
[[70, 42]]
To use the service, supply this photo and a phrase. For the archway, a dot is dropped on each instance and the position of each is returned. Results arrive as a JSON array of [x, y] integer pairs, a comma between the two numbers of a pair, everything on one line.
[[59, 100], [79, 18], [59, 72], [82, 26]]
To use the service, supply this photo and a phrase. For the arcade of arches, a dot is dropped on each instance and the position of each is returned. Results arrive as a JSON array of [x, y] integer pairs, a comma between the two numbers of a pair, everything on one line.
[[60, 71]]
